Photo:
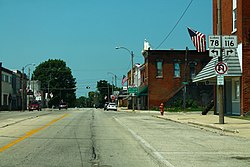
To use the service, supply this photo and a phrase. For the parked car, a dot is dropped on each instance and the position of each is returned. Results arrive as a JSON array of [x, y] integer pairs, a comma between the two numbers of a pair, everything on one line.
[[105, 105], [99, 105], [35, 105], [63, 105], [112, 106]]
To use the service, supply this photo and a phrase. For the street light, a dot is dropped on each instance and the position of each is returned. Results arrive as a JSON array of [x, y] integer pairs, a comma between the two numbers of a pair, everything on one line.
[[23, 83], [132, 64]]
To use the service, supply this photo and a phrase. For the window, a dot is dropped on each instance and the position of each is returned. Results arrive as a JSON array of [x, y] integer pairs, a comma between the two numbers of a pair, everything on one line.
[[6, 78], [237, 90], [159, 68], [234, 15], [192, 70], [5, 99], [176, 69]]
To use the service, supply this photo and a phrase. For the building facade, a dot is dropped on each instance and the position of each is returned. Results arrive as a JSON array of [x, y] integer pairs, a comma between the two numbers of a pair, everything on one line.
[[235, 20], [167, 73], [7, 91], [11, 91]]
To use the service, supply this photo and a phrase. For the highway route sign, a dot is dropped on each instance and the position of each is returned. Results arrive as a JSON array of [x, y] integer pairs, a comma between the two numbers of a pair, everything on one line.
[[229, 41], [214, 41]]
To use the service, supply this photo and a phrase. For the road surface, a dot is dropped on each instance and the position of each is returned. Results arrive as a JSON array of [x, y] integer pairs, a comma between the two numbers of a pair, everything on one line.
[[93, 137]]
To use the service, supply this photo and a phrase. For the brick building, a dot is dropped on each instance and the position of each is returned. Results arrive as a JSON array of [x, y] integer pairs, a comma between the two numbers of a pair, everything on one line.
[[235, 21], [165, 73]]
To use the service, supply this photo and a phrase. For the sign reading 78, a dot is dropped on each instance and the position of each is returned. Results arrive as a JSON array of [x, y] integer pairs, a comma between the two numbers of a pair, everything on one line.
[[214, 41]]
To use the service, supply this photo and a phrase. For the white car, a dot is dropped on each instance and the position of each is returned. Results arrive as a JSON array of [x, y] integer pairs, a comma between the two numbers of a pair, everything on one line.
[[112, 106]]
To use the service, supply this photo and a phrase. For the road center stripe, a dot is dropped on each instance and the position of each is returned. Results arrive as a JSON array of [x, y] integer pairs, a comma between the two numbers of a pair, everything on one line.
[[30, 133]]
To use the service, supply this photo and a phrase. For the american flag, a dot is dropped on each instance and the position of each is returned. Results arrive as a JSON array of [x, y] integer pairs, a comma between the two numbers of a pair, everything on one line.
[[199, 40], [124, 79]]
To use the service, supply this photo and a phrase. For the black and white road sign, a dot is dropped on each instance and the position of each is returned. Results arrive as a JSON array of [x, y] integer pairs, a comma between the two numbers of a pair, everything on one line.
[[229, 42], [230, 52], [214, 52], [220, 79], [214, 41], [221, 68]]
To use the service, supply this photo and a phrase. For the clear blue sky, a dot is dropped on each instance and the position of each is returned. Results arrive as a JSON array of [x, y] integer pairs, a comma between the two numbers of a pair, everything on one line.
[[84, 33]]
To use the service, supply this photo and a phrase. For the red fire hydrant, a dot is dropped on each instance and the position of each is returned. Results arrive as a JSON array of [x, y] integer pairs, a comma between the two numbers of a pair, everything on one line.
[[162, 109]]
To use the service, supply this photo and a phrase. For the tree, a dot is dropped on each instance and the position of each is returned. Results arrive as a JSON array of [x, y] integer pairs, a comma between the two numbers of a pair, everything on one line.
[[56, 78], [105, 90], [86, 102]]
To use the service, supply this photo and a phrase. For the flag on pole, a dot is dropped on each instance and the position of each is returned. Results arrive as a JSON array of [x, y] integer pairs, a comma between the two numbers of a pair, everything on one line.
[[124, 79], [199, 40]]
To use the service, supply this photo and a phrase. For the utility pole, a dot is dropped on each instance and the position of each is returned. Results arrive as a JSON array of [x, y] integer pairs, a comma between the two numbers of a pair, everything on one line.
[[220, 88], [132, 73], [132, 80], [23, 89], [185, 81]]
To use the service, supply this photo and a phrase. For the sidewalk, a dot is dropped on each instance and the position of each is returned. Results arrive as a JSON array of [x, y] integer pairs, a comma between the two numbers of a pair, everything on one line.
[[231, 126]]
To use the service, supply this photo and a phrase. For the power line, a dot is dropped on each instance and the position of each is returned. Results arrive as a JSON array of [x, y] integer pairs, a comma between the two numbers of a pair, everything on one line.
[[175, 24]]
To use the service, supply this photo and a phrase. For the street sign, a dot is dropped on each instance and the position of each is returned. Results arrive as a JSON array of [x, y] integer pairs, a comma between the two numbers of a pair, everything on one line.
[[220, 79], [214, 41], [132, 90], [229, 41], [221, 68], [230, 52], [214, 52], [185, 83]]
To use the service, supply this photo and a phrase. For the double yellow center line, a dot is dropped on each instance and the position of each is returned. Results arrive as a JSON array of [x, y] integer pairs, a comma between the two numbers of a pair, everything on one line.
[[30, 133]]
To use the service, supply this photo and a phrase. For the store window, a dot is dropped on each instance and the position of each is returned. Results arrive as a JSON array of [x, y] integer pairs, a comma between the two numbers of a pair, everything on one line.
[[237, 90]]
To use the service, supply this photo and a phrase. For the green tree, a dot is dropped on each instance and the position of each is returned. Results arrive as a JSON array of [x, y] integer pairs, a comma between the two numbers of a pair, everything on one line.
[[104, 90], [56, 78], [86, 101]]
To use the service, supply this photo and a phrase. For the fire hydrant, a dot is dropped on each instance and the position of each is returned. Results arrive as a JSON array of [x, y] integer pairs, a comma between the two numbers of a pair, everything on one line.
[[162, 109]]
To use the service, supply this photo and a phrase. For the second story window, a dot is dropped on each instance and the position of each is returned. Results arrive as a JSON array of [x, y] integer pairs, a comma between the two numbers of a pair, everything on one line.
[[234, 15], [177, 70], [159, 68], [192, 70]]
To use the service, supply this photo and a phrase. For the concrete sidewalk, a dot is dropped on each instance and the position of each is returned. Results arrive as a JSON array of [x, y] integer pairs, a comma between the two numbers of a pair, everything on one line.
[[231, 126]]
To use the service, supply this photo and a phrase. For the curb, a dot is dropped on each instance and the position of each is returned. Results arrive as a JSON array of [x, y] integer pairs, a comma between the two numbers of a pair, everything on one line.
[[201, 124], [214, 127]]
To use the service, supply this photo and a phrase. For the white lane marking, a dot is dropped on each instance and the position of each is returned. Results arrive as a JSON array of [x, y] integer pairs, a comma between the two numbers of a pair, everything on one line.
[[146, 145]]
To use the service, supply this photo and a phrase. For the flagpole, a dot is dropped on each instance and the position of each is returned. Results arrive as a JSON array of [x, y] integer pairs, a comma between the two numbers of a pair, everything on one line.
[[185, 81]]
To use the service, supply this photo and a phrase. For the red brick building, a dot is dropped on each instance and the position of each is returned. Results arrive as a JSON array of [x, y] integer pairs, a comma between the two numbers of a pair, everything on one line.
[[165, 74], [235, 21]]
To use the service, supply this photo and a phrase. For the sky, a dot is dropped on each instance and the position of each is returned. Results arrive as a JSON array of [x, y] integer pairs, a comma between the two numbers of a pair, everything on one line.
[[85, 33]]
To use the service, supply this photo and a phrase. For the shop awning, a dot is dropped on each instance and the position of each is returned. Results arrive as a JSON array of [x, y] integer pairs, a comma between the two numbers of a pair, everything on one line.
[[209, 73], [143, 91]]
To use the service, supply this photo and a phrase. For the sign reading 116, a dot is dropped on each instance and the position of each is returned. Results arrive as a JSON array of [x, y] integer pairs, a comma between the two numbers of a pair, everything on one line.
[[229, 42]]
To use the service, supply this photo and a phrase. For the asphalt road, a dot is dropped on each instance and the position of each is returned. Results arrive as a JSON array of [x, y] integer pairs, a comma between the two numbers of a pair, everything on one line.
[[93, 137]]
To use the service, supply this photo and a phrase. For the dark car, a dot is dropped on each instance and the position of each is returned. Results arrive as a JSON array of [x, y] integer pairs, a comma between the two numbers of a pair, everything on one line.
[[35, 105], [63, 105], [99, 105]]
